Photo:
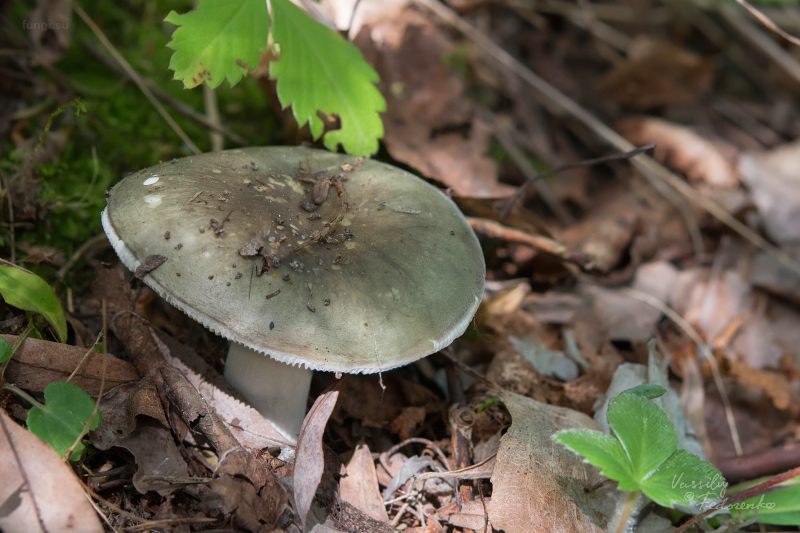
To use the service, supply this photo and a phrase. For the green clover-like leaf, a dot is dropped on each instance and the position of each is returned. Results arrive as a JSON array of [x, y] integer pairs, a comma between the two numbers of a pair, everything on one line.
[[603, 451], [685, 478], [61, 420], [644, 431], [643, 453]]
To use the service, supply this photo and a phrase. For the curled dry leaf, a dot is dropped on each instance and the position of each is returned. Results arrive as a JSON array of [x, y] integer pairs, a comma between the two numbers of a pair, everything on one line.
[[39, 492], [310, 461], [772, 179], [133, 418], [249, 426], [539, 486], [658, 73], [359, 487], [430, 122], [704, 162], [49, 30], [245, 487], [38, 362]]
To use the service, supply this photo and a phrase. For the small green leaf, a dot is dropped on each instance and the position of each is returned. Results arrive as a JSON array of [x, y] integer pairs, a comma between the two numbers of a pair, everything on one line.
[[5, 350], [643, 453], [685, 478], [66, 411], [29, 292], [220, 39], [649, 391], [320, 70], [645, 432], [603, 451], [781, 507]]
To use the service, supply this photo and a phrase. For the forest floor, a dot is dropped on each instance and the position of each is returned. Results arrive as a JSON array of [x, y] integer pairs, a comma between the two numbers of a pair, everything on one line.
[[679, 266]]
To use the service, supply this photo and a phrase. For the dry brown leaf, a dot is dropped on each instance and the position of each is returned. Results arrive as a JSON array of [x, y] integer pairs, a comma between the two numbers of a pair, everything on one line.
[[363, 399], [38, 363], [704, 162], [359, 487], [49, 30], [607, 233], [430, 123], [244, 487], [133, 418], [716, 301], [249, 426], [623, 317], [471, 516], [310, 460], [774, 384], [38, 492], [408, 421], [394, 464], [775, 188], [658, 73], [538, 485]]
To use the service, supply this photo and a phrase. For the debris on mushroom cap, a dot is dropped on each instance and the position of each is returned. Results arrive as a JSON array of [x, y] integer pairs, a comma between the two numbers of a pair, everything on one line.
[[416, 280]]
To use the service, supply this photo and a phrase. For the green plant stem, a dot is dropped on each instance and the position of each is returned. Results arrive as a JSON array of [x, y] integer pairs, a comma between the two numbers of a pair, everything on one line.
[[625, 515], [22, 394]]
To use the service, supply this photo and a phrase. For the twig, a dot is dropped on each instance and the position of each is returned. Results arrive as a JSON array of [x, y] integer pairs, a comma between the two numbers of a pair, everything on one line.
[[493, 229], [84, 358], [135, 77], [212, 113], [94, 241], [766, 21], [736, 498], [88, 423], [178, 105], [657, 174], [759, 464], [704, 349], [470, 472], [502, 134], [418, 440], [508, 203], [11, 227], [762, 41]]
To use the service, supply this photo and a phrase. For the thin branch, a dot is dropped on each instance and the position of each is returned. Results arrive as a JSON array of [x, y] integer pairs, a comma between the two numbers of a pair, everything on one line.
[[662, 179], [135, 77], [740, 497], [766, 21], [704, 349]]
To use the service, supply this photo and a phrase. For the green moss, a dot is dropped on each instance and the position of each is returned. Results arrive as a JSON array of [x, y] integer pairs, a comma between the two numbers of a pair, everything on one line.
[[121, 131]]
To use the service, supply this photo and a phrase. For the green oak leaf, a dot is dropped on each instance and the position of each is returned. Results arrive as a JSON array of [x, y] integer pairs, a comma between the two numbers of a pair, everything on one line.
[[61, 420], [220, 39], [320, 70], [27, 291]]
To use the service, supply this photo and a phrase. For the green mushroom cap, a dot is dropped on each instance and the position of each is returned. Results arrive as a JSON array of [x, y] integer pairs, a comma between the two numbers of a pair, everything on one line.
[[310, 257]]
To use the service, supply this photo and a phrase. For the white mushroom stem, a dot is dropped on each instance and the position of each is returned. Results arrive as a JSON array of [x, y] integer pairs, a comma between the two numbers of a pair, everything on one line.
[[276, 390]]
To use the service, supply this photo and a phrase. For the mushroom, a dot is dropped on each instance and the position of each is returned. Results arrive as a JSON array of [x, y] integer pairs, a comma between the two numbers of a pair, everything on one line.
[[320, 261]]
